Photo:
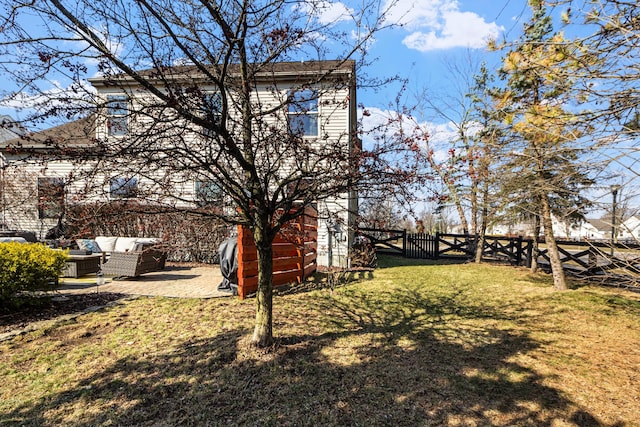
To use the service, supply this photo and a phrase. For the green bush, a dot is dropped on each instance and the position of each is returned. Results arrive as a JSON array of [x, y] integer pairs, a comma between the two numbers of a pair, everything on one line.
[[26, 268]]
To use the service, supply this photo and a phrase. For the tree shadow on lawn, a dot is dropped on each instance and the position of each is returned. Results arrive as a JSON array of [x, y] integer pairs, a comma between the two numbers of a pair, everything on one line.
[[388, 261], [325, 280], [402, 359]]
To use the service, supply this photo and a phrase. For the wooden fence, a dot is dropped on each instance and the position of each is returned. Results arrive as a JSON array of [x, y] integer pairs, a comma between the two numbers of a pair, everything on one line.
[[598, 260], [515, 250], [391, 242], [294, 254]]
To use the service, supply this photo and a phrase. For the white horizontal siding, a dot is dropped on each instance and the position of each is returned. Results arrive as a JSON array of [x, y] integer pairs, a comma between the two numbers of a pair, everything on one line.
[[334, 118]]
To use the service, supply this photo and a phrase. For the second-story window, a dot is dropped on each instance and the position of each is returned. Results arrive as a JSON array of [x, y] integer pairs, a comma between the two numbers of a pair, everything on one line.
[[211, 110], [123, 188], [212, 107], [303, 113], [117, 115]]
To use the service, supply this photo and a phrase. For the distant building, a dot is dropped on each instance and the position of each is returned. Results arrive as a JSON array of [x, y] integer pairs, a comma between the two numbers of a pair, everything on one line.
[[10, 129], [591, 228]]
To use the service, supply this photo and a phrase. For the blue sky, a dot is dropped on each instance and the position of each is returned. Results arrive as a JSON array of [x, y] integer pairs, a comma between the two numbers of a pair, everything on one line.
[[432, 32], [437, 31]]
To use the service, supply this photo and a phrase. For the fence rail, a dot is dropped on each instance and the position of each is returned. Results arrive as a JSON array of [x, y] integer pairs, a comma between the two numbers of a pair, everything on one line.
[[592, 259], [391, 242]]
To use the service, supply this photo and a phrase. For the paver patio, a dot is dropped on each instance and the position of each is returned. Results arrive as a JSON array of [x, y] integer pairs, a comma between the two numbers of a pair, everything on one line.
[[176, 280]]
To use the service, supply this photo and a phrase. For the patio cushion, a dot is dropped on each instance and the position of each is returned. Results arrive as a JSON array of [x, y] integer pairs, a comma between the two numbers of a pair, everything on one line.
[[126, 244], [13, 239], [107, 244], [148, 240], [89, 245]]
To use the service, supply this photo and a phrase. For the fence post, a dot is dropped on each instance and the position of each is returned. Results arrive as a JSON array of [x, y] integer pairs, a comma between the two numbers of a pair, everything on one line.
[[436, 246], [404, 243], [593, 259], [519, 251], [529, 260]]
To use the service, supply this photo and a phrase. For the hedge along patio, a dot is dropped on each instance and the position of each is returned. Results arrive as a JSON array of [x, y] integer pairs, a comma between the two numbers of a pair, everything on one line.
[[294, 253]]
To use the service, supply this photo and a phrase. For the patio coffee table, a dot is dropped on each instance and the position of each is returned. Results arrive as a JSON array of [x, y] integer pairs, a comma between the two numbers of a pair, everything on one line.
[[81, 265]]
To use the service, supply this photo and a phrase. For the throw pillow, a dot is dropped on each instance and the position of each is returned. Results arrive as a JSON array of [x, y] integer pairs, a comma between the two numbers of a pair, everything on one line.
[[89, 245], [125, 244], [107, 244]]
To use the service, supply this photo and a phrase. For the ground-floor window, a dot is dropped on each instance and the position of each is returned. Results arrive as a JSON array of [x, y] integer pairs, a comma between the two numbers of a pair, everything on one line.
[[50, 197], [123, 187]]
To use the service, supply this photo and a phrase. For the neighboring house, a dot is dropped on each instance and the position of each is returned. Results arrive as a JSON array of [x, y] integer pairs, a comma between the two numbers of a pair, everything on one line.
[[34, 192], [630, 229], [595, 229], [46, 187], [589, 229], [9, 129], [601, 229]]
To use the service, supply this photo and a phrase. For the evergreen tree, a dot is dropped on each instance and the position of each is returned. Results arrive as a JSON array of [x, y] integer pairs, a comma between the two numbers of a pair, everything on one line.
[[545, 129]]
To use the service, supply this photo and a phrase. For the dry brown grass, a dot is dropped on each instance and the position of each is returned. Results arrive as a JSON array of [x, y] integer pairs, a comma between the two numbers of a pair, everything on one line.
[[455, 345]]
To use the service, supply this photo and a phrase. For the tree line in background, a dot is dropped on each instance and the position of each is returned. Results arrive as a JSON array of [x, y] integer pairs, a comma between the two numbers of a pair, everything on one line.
[[541, 135]]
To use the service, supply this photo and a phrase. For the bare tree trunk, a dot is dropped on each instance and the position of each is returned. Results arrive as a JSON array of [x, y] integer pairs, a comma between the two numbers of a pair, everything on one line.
[[559, 280], [263, 330], [536, 243], [483, 223], [463, 218], [473, 199]]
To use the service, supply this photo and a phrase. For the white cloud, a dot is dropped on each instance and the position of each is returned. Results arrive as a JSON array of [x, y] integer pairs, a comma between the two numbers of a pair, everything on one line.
[[327, 12], [78, 94], [412, 14], [377, 122], [441, 136], [439, 24]]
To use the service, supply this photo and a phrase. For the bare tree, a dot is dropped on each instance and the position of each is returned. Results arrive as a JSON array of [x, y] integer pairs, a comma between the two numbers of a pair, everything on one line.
[[192, 70], [487, 170], [610, 34]]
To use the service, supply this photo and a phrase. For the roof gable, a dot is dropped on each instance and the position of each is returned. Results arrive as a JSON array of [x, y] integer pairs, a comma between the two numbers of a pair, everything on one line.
[[79, 133]]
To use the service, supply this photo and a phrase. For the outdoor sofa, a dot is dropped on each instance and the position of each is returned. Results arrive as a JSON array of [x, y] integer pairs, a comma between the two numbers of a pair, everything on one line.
[[126, 256]]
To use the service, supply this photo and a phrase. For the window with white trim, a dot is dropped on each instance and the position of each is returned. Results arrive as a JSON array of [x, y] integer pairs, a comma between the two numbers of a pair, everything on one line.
[[211, 110], [117, 115], [208, 192], [303, 112], [123, 187], [50, 197], [212, 106]]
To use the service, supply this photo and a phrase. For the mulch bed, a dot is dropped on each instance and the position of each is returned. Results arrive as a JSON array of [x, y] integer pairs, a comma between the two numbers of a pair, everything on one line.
[[50, 308]]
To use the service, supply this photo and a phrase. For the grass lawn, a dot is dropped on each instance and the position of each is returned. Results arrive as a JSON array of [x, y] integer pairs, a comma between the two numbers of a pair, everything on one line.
[[454, 345]]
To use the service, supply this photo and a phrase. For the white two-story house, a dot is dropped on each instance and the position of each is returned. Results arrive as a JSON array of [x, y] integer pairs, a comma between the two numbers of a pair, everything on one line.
[[45, 172]]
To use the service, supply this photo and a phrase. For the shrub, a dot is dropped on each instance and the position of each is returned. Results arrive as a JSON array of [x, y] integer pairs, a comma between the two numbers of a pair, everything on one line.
[[191, 236], [26, 268], [363, 254]]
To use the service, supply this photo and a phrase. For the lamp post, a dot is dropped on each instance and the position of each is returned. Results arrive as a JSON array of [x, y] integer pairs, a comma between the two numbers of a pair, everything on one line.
[[614, 193]]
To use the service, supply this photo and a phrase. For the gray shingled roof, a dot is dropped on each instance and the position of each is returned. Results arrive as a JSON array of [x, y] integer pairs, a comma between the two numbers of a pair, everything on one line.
[[299, 70], [79, 133], [600, 224]]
